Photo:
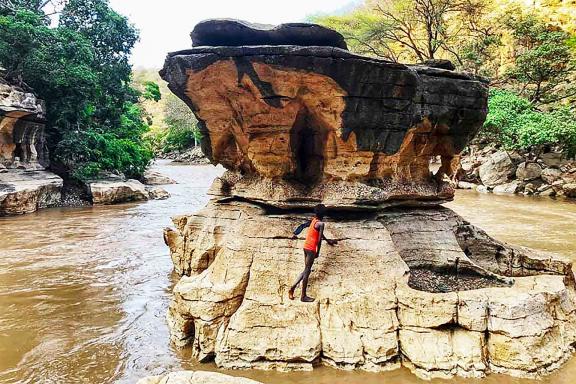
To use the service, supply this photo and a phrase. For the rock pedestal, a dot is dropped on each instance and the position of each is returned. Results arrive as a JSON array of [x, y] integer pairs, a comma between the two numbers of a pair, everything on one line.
[[410, 282]]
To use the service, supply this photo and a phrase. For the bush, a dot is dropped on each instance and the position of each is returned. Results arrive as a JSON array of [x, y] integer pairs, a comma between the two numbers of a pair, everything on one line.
[[515, 123]]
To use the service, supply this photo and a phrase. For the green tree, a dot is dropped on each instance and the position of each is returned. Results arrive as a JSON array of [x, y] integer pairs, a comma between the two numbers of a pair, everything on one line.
[[514, 122], [81, 69], [544, 64], [182, 129]]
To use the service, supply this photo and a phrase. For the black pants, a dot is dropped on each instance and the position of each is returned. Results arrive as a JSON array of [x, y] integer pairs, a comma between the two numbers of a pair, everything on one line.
[[309, 257]]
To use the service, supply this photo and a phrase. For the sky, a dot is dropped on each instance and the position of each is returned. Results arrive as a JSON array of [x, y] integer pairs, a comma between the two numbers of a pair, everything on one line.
[[165, 25]]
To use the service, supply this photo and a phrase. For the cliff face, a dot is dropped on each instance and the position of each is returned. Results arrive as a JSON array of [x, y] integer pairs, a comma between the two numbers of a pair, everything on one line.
[[409, 282], [22, 141], [24, 184]]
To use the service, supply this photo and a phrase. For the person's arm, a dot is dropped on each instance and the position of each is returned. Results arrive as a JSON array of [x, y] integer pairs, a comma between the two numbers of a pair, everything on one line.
[[329, 241], [300, 228], [320, 229]]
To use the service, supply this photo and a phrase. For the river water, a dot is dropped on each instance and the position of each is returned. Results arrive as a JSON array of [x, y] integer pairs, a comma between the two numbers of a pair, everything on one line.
[[84, 291]]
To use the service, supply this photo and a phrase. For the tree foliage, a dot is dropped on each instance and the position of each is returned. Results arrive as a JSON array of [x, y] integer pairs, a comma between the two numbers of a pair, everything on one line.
[[182, 129], [514, 122], [81, 69]]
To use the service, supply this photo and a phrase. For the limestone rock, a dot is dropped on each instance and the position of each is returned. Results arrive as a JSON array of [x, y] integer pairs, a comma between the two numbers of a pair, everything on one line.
[[195, 377], [156, 178], [496, 170], [552, 159], [466, 185], [27, 191], [113, 191], [528, 171], [296, 125], [230, 32], [237, 263]]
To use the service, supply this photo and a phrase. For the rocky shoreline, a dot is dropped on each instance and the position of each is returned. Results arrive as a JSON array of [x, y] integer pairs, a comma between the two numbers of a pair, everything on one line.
[[191, 156], [491, 169]]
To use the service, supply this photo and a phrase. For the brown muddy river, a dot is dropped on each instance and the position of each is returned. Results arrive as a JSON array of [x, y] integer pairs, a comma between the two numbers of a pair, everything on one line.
[[84, 291]]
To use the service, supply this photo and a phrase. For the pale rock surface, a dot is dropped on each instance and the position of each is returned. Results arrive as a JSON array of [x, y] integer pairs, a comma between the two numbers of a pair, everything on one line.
[[27, 191], [117, 191], [151, 177], [511, 187], [157, 193], [195, 377], [497, 169], [528, 171], [237, 263]]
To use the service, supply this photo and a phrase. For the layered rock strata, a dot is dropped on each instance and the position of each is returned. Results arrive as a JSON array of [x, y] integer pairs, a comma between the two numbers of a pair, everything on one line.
[[24, 184], [22, 141], [410, 282], [296, 125]]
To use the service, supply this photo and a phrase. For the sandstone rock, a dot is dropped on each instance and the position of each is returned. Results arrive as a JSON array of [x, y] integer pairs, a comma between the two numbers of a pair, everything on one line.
[[529, 189], [295, 125], [546, 191], [550, 175], [569, 190], [511, 187], [229, 32], [232, 301], [156, 178], [195, 377], [552, 159], [22, 142], [496, 170], [114, 192], [406, 285], [27, 191], [466, 185], [528, 171], [482, 189], [158, 193]]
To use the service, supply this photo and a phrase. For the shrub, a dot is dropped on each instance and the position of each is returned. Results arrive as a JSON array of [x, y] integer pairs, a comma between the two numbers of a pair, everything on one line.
[[515, 123]]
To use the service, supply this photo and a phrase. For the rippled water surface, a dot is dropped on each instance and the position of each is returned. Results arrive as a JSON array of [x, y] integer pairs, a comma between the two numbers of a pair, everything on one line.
[[84, 291]]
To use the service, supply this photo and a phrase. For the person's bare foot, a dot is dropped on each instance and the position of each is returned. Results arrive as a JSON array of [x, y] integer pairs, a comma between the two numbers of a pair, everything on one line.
[[306, 299], [291, 294]]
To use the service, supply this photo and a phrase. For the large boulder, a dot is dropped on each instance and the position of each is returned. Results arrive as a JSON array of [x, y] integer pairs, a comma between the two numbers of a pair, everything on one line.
[[117, 191], [527, 171], [151, 177], [297, 124], [24, 191], [497, 169]]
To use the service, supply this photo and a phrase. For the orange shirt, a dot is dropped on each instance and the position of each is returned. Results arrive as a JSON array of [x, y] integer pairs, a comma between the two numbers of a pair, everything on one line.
[[312, 236]]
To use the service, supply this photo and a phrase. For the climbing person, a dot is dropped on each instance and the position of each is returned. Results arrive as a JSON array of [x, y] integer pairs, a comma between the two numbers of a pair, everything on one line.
[[311, 249]]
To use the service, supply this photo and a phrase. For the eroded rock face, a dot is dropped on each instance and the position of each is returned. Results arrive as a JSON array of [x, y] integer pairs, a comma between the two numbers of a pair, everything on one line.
[[22, 142], [24, 184], [409, 283], [302, 118], [238, 262], [24, 191]]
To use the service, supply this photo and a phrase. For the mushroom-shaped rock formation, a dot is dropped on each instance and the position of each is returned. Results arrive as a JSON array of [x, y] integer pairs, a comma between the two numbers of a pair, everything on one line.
[[296, 124], [409, 283]]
